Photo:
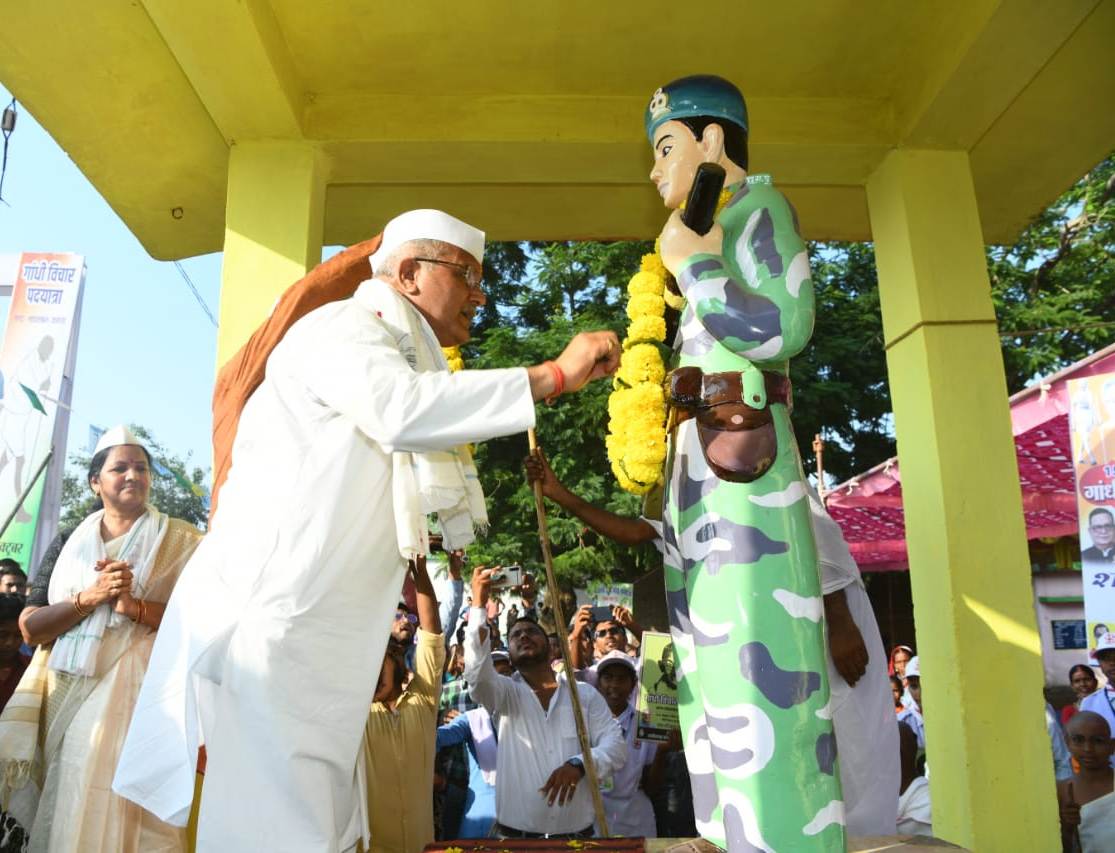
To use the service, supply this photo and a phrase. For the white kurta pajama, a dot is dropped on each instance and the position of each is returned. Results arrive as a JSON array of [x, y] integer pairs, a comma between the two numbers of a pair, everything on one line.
[[274, 637]]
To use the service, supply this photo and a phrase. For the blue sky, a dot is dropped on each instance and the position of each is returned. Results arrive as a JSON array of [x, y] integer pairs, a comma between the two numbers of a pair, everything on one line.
[[147, 351]]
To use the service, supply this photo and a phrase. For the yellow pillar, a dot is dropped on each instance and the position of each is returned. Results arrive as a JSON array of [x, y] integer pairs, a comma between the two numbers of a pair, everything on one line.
[[991, 777], [274, 215]]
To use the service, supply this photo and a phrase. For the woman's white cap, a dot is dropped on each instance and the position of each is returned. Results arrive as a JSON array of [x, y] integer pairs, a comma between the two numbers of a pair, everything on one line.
[[116, 436]]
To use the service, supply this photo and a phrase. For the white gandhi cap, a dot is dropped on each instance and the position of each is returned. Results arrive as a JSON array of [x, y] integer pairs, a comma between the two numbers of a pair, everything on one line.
[[428, 225], [114, 437]]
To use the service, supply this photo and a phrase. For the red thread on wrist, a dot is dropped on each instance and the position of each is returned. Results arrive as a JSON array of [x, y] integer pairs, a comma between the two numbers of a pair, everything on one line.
[[559, 381]]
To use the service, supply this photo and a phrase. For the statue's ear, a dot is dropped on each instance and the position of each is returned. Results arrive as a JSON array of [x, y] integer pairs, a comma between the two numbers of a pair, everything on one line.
[[712, 143]]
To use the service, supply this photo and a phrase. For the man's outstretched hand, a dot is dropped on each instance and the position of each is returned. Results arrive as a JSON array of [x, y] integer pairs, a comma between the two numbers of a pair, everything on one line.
[[590, 355]]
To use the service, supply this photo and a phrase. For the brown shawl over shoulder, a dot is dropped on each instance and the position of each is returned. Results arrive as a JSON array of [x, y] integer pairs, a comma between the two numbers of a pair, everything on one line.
[[335, 279]]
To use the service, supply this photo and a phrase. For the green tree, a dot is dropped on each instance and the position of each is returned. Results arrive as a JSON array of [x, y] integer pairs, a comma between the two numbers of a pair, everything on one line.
[[563, 288], [167, 492], [1054, 288], [840, 380]]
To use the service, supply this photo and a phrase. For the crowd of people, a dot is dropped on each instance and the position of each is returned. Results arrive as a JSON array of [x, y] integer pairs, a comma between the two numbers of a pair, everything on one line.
[[471, 725]]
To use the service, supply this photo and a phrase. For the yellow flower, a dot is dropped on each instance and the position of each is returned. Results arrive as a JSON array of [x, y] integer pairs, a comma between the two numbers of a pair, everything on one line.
[[454, 357], [646, 282], [653, 262], [636, 440], [645, 329], [641, 363], [646, 305]]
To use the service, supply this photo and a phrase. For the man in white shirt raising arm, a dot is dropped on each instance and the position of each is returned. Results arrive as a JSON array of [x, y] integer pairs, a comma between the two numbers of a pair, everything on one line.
[[539, 765]]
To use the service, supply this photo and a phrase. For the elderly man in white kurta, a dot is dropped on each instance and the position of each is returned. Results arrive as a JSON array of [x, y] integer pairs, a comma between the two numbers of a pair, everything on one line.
[[269, 650]]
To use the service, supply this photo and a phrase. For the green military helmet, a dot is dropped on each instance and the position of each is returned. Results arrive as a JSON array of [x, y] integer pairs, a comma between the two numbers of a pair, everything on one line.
[[697, 95]]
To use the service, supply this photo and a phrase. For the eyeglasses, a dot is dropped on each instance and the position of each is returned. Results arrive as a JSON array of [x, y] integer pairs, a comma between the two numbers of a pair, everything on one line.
[[468, 275], [607, 632], [410, 617]]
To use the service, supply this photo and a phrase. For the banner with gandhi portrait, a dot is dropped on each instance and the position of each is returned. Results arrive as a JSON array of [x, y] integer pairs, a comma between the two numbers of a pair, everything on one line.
[[37, 349], [1092, 420]]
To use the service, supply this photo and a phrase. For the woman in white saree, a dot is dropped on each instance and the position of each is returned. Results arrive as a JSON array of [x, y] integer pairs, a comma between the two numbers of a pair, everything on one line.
[[62, 731]]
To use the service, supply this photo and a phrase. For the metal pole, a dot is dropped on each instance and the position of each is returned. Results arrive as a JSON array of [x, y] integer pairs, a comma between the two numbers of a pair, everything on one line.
[[559, 618], [23, 497]]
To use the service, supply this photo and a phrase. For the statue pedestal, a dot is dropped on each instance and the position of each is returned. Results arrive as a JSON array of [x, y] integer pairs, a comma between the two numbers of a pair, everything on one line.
[[876, 844]]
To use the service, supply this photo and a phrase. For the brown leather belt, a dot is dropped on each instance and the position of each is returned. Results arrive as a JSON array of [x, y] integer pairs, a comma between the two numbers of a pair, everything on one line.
[[691, 390]]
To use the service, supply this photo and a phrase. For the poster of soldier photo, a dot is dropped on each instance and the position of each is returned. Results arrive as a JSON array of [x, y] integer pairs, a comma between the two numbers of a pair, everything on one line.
[[657, 701]]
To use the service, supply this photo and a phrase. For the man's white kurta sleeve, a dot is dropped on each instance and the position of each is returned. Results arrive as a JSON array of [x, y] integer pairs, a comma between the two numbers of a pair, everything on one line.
[[485, 685], [361, 374], [609, 749]]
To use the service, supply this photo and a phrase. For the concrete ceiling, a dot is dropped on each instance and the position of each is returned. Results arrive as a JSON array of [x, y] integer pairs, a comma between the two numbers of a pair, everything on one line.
[[527, 118]]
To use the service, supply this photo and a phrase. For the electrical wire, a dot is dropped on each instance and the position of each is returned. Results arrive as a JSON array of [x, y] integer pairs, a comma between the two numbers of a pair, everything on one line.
[[197, 296]]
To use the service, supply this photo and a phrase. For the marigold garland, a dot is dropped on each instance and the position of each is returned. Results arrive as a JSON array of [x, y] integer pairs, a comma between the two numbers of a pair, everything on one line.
[[636, 440], [454, 357]]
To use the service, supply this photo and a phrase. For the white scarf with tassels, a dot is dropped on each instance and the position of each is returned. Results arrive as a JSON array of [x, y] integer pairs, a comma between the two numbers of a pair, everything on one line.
[[444, 482]]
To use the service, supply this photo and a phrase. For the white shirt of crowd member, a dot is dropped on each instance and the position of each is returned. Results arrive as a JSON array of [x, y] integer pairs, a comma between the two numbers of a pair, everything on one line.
[[1102, 702], [539, 762], [628, 808]]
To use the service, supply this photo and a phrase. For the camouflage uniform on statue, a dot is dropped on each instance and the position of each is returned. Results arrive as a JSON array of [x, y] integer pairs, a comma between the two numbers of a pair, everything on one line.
[[741, 565]]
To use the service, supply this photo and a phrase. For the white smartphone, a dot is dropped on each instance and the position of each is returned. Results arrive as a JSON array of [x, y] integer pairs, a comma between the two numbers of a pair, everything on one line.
[[507, 576]]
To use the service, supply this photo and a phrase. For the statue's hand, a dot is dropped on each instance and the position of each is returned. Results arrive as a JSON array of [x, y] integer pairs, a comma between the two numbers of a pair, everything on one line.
[[678, 242]]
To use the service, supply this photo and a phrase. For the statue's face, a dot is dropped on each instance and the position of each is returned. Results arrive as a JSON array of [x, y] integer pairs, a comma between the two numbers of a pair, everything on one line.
[[676, 158]]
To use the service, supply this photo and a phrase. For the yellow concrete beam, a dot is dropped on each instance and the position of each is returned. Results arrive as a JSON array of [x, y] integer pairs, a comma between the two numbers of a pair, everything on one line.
[[969, 566], [236, 60], [365, 116], [564, 211], [273, 233], [133, 125], [1021, 37], [971, 87], [1025, 161]]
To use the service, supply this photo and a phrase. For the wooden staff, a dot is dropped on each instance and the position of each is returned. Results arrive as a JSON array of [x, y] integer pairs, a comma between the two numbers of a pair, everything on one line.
[[819, 452], [566, 657]]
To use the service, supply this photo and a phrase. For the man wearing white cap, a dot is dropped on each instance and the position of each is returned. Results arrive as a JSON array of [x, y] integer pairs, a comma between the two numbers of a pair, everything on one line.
[[912, 716], [269, 650], [1102, 702]]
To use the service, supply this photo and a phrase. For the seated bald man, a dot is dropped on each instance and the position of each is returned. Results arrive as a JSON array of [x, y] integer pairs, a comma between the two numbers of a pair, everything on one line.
[[269, 648]]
